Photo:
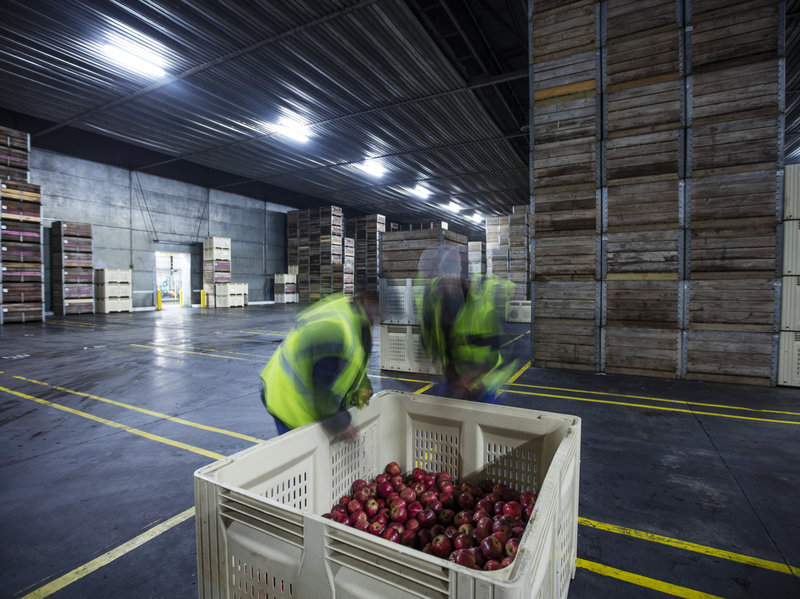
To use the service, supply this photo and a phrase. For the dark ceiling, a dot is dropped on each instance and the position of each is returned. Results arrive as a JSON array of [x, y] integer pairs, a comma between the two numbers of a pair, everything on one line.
[[434, 90]]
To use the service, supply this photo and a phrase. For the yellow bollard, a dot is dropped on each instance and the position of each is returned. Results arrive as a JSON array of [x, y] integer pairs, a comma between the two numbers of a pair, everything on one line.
[[158, 300], [202, 298], [180, 297]]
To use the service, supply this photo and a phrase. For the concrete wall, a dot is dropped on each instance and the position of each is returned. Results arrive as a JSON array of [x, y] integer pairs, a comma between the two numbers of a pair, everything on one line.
[[134, 215]]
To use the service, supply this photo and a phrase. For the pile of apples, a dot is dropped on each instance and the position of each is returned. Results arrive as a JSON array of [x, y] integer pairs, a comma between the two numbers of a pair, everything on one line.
[[474, 525]]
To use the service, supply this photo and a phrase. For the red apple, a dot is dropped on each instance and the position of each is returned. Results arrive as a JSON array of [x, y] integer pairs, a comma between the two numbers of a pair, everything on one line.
[[398, 513], [445, 517], [393, 469], [354, 505], [434, 504], [424, 537], [463, 557], [427, 518], [345, 499], [462, 517], [441, 546], [418, 475], [466, 528], [362, 525], [414, 509], [430, 480], [492, 564], [357, 484], [512, 546], [492, 548], [390, 534], [385, 488], [466, 501], [463, 541], [451, 532], [412, 524], [362, 494], [507, 561], [497, 508], [408, 538], [512, 509], [408, 494], [376, 528]]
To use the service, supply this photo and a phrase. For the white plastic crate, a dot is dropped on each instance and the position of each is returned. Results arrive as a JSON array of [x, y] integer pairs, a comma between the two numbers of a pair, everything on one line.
[[401, 350], [214, 253], [285, 278], [791, 196], [109, 290], [398, 300], [260, 532], [108, 305], [217, 242], [518, 311], [791, 247], [789, 359], [112, 275], [790, 304]]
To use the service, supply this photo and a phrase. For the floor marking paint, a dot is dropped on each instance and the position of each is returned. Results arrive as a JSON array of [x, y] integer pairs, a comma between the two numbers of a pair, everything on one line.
[[77, 324], [208, 349], [678, 401], [424, 389], [124, 427], [146, 411], [186, 351], [106, 558], [281, 333], [695, 547], [510, 341], [644, 581], [636, 405], [519, 372]]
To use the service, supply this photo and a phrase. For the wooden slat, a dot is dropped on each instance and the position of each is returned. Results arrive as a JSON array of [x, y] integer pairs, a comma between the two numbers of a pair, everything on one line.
[[564, 343], [563, 71], [642, 55], [566, 255], [740, 142], [643, 205], [14, 251], [565, 163], [574, 300], [736, 92], [729, 356], [563, 30], [646, 108], [733, 249], [749, 304], [565, 210], [734, 195], [636, 156], [21, 292], [644, 303], [641, 351], [643, 251], [565, 120], [20, 231], [624, 17]]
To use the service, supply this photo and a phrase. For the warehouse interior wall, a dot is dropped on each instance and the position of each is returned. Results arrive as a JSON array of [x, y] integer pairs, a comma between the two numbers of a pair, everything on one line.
[[134, 215]]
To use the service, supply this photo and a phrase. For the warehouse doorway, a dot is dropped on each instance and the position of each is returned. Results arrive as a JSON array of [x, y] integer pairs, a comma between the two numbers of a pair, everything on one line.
[[173, 279]]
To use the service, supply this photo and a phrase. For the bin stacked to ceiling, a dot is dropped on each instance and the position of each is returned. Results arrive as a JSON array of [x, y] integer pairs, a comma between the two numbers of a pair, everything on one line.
[[655, 164], [789, 356], [21, 265], [72, 268], [331, 224], [216, 267]]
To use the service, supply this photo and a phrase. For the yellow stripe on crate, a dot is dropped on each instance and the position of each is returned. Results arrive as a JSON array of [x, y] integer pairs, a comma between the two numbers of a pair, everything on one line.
[[128, 406], [124, 427], [643, 581], [689, 546], [106, 558], [665, 409]]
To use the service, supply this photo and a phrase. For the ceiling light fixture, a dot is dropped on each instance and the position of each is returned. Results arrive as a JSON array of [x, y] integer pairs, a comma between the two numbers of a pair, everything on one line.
[[372, 167], [135, 58], [453, 207], [293, 129], [421, 192], [477, 217]]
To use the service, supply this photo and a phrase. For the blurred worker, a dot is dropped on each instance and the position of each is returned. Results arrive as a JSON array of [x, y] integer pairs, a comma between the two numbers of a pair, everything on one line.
[[319, 370], [462, 325]]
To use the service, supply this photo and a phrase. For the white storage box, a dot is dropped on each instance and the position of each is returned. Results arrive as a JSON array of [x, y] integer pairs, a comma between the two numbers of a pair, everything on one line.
[[791, 247], [107, 305], [258, 513], [789, 359], [112, 275], [401, 350], [518, 311], [791, 195], [107, 290], [398, 300], [790, 304]]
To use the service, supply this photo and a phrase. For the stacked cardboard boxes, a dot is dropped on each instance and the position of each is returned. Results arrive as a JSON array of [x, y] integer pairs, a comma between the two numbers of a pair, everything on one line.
[[216, 266]]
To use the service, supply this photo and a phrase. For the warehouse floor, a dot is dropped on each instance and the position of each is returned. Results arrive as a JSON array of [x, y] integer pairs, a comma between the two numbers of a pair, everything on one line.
[[687, 488]]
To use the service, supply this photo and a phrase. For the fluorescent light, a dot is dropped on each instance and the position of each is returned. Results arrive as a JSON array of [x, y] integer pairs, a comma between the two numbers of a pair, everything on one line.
[[477, 217], [421, 192], [372, 167], [135, 58], [293, 129], [453, 207]]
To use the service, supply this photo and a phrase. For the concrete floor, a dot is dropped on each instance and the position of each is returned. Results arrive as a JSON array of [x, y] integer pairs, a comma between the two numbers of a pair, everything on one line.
[[97, 493]]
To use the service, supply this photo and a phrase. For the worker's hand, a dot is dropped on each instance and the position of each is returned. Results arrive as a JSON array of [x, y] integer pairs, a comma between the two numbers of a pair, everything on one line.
[[363, 396], [350, 435]]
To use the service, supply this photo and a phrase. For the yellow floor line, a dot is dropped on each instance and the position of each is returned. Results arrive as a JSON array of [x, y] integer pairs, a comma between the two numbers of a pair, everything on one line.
[[519, 372], [688, 546], [202, 350], [510, 341], [186, 351], [424, 389], [106, 558], [635, 405], [661, 399], [644, 581], [146, 411], [281, 333], [124, 427]]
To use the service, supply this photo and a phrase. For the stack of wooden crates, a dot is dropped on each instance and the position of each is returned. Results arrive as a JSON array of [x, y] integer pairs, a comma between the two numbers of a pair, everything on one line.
[[402, 254], [349, 266], [286, 289], [654, 183], [367, 232], [15, 147], [21, 265], [113, 290], [216, 266], [72, 268]]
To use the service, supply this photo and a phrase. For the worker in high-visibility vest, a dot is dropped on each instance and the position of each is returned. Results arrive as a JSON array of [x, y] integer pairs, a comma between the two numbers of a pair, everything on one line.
[[319, 370], [461, 322]]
